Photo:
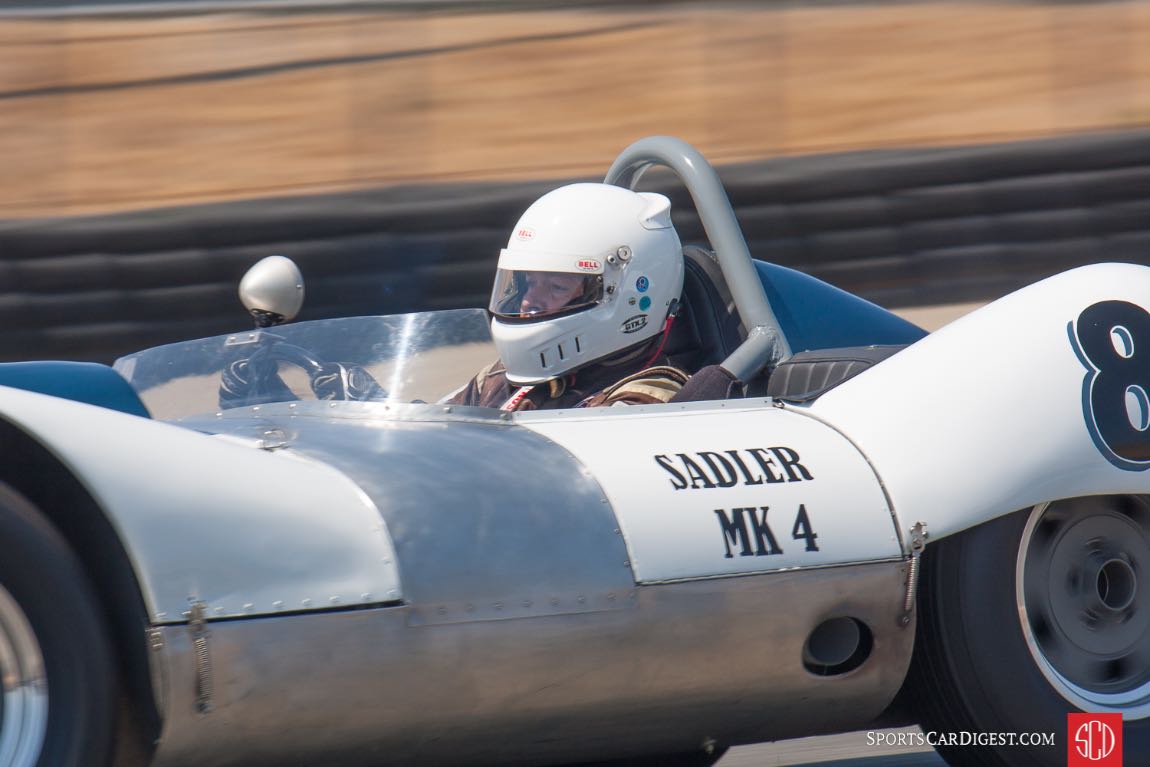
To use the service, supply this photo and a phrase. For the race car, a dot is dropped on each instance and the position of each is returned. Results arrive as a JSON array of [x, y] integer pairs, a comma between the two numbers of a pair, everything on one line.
[[282, 547]]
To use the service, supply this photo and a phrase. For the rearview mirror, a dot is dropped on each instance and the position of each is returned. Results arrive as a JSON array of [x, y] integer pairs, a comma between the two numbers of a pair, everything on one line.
[[272, 291]]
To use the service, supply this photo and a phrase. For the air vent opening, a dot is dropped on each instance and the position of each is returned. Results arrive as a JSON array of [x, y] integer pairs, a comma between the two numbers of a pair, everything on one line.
[[837, 646]]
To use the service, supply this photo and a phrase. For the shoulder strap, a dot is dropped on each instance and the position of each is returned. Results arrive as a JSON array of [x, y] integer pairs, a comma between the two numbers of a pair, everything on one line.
[[649, 386]]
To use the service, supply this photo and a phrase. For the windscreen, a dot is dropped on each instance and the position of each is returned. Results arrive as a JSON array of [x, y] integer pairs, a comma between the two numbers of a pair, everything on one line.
[[419, 357]]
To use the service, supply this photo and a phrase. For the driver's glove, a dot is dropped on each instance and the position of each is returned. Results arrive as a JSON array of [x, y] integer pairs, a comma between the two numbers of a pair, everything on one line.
[[252, 382], [235, 383], [338, 381]]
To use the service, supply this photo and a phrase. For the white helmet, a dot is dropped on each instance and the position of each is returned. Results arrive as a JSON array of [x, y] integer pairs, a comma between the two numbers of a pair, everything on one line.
[[591, 269]]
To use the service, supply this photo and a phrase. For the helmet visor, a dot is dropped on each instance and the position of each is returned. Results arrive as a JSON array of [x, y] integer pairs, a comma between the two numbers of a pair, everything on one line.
[[537, 295]]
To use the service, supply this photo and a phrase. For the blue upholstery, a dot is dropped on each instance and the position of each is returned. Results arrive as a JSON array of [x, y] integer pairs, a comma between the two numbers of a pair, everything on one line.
[[815, 315], [87, 382]]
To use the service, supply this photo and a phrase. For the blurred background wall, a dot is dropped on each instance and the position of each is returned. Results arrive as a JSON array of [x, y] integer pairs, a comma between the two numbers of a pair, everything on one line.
[[124, 127]]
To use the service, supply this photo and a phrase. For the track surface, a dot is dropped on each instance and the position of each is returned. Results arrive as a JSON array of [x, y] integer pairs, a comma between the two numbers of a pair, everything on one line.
[[847, 750]]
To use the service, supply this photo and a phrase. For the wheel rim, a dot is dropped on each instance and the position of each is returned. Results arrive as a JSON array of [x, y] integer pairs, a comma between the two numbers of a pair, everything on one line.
[[24, 703], [1083, 589]]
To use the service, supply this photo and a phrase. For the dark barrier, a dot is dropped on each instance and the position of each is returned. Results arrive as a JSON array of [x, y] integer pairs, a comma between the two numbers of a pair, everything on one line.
[[897, 227]]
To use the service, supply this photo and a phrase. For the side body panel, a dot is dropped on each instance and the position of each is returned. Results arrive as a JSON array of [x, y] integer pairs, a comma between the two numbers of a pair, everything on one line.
[[520, 635], [1000, 410], [245, 531], [728, 488], [685, 663], [524, 637]]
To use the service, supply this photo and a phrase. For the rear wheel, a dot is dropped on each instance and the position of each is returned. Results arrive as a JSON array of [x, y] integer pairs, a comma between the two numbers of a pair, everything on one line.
[[1084, 590], [1031, 617], [56, 709]]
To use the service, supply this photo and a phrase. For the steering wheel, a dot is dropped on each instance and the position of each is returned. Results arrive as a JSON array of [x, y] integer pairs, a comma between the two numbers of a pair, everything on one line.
[[256, 379]]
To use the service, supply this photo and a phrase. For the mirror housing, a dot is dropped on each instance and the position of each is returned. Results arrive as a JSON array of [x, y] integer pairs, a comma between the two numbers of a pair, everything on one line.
[[272, 291]]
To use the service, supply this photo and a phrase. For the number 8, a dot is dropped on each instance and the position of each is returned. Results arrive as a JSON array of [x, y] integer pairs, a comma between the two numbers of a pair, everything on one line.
[[1112, 339]]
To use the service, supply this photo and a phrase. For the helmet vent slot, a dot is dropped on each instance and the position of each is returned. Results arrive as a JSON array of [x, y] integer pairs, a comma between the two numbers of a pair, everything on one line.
[[578, 346], [562, 356]]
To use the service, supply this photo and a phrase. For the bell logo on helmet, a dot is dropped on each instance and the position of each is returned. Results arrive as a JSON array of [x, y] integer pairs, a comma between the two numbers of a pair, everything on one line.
[[634, 324], [588, 265], [525, 233]]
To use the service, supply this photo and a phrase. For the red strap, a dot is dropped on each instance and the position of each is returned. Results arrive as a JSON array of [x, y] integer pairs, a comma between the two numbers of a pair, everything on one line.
[[516, 398], [663, 342]]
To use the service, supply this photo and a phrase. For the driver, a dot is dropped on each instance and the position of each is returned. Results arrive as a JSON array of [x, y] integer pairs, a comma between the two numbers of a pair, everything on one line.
[[585, 294]]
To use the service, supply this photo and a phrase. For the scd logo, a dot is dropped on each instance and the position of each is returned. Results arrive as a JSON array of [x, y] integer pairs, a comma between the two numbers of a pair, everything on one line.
[[1094, 740]]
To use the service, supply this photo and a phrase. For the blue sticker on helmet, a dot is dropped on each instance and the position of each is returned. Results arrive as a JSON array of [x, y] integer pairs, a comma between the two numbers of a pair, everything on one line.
[[645, 303], [642, 284]]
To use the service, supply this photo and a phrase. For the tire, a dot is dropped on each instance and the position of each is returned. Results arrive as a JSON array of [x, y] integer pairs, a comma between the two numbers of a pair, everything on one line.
[[1031, 617], [52, 639]]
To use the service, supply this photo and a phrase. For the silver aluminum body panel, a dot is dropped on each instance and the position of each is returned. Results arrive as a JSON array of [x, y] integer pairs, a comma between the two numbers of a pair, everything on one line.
[[489, 521], [717, 658]]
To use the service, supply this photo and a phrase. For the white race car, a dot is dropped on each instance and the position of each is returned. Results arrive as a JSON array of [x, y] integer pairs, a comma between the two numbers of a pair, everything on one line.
[[328, 569]]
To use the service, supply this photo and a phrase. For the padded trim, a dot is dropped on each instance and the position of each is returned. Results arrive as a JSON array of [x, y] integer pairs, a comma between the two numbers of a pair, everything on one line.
[[708, 329], [808, 375]]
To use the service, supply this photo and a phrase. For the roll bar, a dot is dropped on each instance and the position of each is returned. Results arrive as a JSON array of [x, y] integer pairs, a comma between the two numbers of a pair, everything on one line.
[[765, 345]]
